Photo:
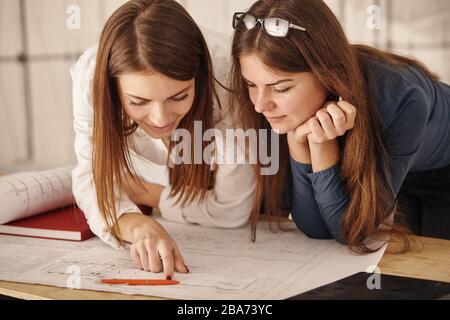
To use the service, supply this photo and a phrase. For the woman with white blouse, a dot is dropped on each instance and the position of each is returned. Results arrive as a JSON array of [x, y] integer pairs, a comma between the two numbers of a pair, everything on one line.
[[151, 75]]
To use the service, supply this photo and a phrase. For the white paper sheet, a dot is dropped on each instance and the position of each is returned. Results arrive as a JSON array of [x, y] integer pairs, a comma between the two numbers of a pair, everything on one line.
[[224, 264], [25, 194]]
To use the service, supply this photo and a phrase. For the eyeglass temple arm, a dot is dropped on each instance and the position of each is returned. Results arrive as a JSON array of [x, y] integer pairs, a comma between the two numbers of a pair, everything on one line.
[[294, 26]]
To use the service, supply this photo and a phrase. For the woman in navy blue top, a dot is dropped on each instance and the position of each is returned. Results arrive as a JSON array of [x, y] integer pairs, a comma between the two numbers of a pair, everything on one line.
[[365, 134]]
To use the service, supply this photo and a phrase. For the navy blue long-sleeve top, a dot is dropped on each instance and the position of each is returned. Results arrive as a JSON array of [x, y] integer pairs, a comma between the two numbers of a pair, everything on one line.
[[415, 119]]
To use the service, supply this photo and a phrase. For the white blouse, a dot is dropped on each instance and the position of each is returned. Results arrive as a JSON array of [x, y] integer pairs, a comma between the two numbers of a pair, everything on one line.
[[228, 205]]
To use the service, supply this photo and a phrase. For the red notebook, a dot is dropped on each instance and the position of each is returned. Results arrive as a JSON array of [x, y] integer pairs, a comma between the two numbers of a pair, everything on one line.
[[63, 224]]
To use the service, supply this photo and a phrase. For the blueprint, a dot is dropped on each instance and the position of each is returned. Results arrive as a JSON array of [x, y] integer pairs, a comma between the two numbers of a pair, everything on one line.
[[224, 264]]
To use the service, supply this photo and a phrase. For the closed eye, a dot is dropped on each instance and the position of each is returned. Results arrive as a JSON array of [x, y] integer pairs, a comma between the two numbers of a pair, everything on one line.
[[282, 90], [182, 98], [138, 104]]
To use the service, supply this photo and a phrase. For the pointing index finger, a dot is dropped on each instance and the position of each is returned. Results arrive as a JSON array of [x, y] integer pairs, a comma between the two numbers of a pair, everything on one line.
[[167, 260]]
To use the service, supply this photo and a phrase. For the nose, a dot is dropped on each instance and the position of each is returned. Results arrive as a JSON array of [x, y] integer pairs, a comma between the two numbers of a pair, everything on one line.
[[158, 115], [263, 101]]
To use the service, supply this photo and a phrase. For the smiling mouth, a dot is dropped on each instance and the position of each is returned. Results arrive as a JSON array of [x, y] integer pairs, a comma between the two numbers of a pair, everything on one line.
[[165, 128], [275, 119]]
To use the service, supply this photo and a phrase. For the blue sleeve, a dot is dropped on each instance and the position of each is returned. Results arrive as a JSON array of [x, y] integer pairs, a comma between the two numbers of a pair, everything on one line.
[[305, 212], [320, 199], [403, 137]]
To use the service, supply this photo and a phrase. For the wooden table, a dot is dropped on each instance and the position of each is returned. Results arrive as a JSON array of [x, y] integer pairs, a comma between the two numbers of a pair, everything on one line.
[[429, 260]]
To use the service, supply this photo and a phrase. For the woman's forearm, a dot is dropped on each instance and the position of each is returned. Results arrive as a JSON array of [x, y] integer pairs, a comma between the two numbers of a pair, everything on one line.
[[300, 152], [144, 193], [324, 155], [152, 195]]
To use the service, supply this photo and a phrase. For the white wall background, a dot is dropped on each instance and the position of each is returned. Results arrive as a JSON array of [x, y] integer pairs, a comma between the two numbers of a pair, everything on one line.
[[37, 50]]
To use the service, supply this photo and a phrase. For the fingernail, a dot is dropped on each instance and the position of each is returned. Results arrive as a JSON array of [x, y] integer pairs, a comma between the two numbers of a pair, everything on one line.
[[186, 268], [169, 278]]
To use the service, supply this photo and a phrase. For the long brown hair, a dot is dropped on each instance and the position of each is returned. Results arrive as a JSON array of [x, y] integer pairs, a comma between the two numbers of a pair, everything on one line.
[[143, 36], [341, 68]]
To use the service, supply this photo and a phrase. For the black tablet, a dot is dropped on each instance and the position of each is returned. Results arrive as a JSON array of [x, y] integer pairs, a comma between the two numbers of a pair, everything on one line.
[[367, 286]]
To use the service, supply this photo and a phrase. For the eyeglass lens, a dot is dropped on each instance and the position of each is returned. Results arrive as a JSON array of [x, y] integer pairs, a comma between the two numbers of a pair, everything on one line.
[[276, 27]]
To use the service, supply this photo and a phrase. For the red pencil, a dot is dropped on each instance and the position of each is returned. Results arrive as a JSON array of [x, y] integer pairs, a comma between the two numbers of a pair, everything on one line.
[[141, 282]]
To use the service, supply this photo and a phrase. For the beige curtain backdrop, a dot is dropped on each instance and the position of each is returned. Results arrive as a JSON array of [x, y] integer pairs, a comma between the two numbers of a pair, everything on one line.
[[37, 48]]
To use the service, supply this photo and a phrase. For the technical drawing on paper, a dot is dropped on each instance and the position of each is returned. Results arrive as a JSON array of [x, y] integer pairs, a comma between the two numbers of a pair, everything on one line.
[[224, 264]]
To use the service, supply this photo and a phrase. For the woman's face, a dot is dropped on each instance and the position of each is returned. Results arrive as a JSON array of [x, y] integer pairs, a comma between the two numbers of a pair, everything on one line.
[[287, 100], [156, 102]]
